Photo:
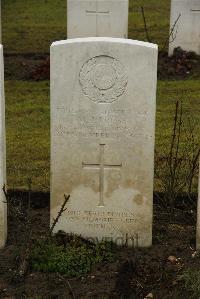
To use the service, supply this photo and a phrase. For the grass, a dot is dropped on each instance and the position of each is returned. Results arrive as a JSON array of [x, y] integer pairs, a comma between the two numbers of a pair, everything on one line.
[[28, 145], [30, 26], [167, 94], [28, 133], [157, 14]]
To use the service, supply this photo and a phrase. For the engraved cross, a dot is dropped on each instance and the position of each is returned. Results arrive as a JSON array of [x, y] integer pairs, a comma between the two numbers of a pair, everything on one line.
[[101, 167], [195, 10], [97, 12]]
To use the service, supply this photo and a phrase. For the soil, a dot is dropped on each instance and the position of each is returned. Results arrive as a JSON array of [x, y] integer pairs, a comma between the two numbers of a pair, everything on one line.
[[182, 65], [135, 273], [27, 67]]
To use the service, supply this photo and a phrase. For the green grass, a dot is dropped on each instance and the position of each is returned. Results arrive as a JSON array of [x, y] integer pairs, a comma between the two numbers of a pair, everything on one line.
[[30, 26], [28, 134], [157, 14], [28, 146], [167, 94]]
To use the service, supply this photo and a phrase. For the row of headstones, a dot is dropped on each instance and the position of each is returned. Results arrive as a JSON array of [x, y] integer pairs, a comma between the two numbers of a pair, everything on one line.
[[103, 103], [110, 18]]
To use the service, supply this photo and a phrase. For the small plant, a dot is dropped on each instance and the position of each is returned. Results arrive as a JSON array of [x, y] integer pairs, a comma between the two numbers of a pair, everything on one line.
[[74, 259], [191, 279], [178, 167]]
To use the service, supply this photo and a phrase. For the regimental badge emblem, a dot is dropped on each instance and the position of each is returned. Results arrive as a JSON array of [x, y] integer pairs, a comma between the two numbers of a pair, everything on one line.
[[103, 79]]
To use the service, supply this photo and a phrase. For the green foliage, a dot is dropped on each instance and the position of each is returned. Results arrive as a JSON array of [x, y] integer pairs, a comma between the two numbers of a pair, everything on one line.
[[191, 279], [74, 260]]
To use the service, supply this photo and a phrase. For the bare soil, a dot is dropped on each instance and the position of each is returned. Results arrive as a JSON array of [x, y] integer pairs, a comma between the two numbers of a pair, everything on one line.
[[134, 274], [182, 65]]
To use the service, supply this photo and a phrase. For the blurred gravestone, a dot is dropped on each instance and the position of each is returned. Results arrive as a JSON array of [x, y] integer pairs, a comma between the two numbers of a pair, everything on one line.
[[3, 205], [103, 103], [185, 24], [90, 18]]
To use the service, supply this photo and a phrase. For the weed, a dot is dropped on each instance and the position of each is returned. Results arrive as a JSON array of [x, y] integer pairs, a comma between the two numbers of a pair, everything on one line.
[[74, 260], [177, 169], [191, 279]]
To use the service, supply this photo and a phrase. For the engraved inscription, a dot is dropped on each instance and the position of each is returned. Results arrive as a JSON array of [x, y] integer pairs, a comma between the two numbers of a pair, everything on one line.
[[97, 13], [103, 79], [101, 166], [195, 10], [103, 217], [102, 220], [106, 124]]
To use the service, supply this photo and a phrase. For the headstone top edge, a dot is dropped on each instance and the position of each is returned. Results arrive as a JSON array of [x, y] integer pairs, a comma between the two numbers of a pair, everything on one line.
[[181, 0], [105, 39], [100, 0]]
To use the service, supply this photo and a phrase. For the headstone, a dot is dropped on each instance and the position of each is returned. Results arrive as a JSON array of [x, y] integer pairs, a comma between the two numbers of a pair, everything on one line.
[[3, 206], [103, 102], [91, 18], [198, 216], [185, 20]]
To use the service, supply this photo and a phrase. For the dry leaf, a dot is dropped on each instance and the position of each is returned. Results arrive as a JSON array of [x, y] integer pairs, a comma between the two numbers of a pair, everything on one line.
[[149, 296]]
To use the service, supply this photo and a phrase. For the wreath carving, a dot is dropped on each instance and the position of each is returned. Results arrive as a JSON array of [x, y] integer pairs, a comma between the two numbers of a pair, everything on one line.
[[103, 79]]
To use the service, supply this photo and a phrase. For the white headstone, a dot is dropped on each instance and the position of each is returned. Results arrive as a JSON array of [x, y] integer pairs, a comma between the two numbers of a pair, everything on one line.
[[198, 216], [88, 18], [103, 102], [186, 33], [3, 205]]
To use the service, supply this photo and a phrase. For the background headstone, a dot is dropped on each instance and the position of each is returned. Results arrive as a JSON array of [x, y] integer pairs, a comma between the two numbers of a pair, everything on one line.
[[198, 216], [88, 18], [187, 29], [3, 206], [103, 102]]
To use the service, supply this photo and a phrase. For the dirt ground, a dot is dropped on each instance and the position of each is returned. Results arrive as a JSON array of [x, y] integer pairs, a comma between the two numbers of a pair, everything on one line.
[[182, 65], [135, 273]]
